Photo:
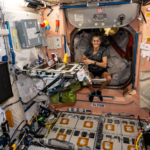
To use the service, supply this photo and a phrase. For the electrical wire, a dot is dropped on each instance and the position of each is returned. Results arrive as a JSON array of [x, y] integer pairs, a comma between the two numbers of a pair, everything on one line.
[[35, 117], [53, 121], [37, 140], [21, 140], [136, 137], [16, 129], [10, 104], [48, 132], [138, 141]]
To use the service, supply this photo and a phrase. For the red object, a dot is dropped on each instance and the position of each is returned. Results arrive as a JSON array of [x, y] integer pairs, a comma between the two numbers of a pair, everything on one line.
[[57, 23], [135, 138], [129, 45], [99, 10], [42, 24], [123, 54], [116, 47]]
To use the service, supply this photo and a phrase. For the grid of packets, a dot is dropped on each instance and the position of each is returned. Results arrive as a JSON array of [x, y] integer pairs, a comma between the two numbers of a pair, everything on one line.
[[79, 129], [119, 134]]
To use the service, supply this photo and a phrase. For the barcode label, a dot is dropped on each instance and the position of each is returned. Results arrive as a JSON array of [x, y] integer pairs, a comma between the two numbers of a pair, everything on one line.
[[98, 105]]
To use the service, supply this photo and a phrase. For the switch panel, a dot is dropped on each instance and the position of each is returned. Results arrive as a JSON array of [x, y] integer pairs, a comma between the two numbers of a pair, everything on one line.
[[29, 33], [54, 42]]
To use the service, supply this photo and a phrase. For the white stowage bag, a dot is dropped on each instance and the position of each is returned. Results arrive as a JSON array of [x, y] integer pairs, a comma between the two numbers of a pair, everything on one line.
[[115, 61], [144, 89], [121, 77], [81, 44], [42, 98], [17, 108], [125, 74], [78, 55], [25, 57], [115, 78], [31, 111], [27, 88], [122, 39], [117, 67]]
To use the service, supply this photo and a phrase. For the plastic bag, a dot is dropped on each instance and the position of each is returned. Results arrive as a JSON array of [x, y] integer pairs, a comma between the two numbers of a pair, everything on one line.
[[27, 89], [76, 86], [67, 96]]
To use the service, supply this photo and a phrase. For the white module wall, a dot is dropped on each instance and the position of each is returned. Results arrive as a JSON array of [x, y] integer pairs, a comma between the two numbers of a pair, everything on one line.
[[24, 56], [13, 14]]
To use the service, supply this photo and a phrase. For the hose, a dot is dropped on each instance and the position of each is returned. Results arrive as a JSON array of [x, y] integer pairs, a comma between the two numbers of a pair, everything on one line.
[[138, 140], [48, 132], [17, 129], [53, 121], [135, 138]]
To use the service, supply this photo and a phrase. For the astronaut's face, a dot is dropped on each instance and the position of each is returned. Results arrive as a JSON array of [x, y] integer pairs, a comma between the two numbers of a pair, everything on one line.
[[96, 42]]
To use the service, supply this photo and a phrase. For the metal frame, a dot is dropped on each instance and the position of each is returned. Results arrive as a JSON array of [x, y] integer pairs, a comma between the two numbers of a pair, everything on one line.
[[133, 49]]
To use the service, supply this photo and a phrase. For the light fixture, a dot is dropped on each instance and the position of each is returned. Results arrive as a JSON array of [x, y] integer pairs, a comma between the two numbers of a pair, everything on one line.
[[148, 9], [140, 19]]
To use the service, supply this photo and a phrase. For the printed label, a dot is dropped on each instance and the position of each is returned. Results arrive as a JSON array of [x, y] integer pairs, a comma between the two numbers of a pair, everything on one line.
[[31, 32], [60, 137], [129, 128], [51, 62], [78, 17], [99, 10], [64, 121], [82, 142], [88, 124], [98, 105], [107, 145], [109, 127]]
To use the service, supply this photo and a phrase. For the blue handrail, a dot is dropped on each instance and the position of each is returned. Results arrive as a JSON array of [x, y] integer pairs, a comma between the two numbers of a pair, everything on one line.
[[100, 4], [134, 63], [10, 43]]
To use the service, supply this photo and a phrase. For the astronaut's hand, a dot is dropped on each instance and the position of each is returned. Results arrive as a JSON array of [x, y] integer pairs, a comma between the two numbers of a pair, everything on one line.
[[88, 61]]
